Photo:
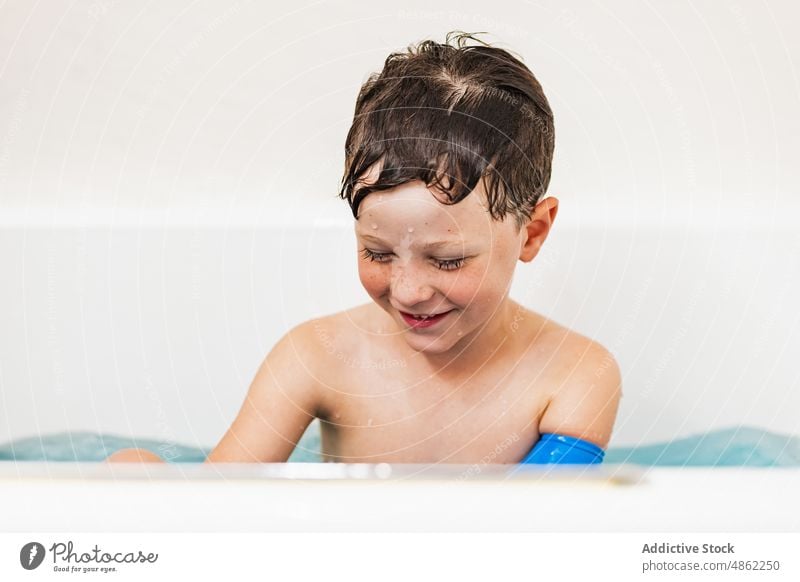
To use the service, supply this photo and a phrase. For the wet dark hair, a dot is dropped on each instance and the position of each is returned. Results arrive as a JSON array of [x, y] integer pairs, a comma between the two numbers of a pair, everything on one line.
[[448, 115]]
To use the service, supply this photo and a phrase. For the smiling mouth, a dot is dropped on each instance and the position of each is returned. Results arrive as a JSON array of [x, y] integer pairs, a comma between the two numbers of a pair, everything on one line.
[[420, 321]]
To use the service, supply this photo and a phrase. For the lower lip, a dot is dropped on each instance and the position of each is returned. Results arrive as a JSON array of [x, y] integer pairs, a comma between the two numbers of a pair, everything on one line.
[[419, 323]]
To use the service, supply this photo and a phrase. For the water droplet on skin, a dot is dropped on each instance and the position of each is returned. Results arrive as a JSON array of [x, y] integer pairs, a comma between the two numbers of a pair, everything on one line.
[[410, 229], [374, 226]]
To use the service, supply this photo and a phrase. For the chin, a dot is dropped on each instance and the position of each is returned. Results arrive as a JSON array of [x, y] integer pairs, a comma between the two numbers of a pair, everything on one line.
[[434, 344], [424, 345]]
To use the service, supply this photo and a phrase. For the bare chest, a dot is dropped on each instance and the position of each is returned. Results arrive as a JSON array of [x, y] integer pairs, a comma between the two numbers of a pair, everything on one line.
[[396, 416]]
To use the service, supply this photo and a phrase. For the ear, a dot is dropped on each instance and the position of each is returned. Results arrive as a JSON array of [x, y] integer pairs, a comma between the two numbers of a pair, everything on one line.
[[535, 232]]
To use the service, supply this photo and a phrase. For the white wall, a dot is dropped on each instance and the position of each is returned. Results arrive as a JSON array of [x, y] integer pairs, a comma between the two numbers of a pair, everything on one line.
[[167, 199], [661, 108]]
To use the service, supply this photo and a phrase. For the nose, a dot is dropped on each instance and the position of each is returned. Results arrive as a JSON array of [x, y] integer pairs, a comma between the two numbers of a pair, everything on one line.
[[409, 286]]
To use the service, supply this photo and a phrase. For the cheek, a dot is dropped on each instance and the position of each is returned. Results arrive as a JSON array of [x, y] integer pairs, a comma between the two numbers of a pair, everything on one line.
[[373, 278], [483, 287], [465, 289]]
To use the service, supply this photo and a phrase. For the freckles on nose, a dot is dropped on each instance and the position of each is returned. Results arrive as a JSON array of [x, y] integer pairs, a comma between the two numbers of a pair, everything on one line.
[[408, 286]]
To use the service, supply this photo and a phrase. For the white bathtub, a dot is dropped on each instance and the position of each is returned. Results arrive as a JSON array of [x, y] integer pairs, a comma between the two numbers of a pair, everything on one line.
[[338, 497]]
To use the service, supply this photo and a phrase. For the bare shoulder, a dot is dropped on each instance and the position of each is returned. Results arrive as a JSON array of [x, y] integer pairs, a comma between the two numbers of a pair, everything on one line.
[[585, 384], [294, 384], [342, 333], [341, 343], [282, 400]]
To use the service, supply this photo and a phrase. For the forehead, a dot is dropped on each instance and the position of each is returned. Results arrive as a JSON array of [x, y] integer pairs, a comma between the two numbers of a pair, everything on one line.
[[415, 206]]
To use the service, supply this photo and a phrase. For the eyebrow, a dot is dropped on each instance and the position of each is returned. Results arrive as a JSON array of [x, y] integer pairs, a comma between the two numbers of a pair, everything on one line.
[[432, 245]]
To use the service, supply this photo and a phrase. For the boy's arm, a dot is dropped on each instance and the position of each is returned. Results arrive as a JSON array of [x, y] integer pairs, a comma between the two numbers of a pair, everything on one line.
[[585, 405], [280, 404]]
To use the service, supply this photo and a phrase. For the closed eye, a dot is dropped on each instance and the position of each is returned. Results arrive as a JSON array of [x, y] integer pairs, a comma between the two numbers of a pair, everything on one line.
[[376, 257], [442, 264], [449, 264]]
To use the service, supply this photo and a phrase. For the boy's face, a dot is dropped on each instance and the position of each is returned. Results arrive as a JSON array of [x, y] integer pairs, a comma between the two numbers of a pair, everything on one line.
[[419, 257]]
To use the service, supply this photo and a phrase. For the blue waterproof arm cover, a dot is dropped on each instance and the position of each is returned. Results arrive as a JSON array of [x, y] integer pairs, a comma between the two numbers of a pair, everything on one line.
[[563, 449]]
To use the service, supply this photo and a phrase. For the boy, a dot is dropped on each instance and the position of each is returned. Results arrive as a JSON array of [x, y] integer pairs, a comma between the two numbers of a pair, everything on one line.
[[447, 162]]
